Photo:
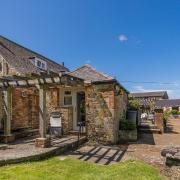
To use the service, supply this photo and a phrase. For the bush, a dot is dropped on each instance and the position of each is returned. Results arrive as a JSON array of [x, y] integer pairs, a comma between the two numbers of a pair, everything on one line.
[[174, 112], [127, 125], [166, 115]]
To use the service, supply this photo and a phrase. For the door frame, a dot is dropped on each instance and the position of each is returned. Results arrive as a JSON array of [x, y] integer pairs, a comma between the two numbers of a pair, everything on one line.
[[74, 91]]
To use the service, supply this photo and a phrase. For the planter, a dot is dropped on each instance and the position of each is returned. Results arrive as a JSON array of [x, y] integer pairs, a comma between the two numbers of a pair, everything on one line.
[[128, 135]]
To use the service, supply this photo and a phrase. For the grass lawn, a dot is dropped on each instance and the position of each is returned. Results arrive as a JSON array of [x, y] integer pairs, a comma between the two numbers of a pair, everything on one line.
[[75, 169]]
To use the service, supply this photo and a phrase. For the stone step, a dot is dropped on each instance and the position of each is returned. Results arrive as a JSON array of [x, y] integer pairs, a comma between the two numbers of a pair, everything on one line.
[[150, 130], [76, 133], [3, 146], [148, 127]]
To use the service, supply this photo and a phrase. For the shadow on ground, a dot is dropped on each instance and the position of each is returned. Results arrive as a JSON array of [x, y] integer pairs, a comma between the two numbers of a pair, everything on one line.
[[100, 154]]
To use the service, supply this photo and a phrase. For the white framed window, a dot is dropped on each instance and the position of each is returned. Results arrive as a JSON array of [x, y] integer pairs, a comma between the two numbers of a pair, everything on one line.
[[40, 63], [67, 98]]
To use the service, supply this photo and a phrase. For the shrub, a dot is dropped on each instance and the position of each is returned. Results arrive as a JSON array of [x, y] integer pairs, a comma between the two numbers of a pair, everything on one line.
[[174, 112], [127, 125], [166, 115]]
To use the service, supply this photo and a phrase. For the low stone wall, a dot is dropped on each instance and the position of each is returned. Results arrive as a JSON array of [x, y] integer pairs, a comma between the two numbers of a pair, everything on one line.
[[127, 135], [46, 152]]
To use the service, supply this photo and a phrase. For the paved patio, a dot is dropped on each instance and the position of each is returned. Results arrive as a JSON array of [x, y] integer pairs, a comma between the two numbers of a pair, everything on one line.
[[104, 155], [147, 148], [25, 150]]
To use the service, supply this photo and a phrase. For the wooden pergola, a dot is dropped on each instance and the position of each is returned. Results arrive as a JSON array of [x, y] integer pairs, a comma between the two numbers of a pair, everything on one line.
[[42, 82]]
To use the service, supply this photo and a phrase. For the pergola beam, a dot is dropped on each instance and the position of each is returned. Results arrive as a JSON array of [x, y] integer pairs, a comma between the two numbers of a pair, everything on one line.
[[42, 83], [55, 80]]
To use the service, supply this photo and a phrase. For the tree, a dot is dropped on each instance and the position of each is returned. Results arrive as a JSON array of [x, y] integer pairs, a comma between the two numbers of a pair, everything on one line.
[[133, 102]]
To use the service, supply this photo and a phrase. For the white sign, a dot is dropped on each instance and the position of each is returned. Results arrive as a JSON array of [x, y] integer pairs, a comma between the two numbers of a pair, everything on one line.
[[55, 122]]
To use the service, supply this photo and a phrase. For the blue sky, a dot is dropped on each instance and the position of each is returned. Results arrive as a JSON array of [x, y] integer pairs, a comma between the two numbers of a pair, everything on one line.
[[133, 40]]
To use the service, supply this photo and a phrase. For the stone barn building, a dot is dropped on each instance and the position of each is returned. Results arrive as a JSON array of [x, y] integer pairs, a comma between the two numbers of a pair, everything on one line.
[[147, 100], [168, 104], [33, 86]]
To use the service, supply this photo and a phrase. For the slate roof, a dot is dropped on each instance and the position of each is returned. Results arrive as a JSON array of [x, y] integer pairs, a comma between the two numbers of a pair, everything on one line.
[[150, 94], [167, 103], [19, 57], [90, 74]]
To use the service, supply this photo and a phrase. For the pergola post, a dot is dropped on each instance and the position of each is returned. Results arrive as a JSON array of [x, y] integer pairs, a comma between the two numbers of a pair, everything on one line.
[[8, 137], [42, 141]]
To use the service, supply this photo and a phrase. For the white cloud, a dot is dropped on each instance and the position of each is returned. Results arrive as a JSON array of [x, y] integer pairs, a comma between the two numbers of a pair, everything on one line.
[[122, 38], [88, 61], [176, 84], [143, 89]]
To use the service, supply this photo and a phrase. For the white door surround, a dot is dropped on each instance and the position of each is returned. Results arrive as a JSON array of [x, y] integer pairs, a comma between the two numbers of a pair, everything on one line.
[[73, 94]]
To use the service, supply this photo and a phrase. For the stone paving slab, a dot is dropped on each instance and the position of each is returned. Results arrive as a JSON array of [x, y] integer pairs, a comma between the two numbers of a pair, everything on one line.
[[25, 150], [3, 146], [148, 148]]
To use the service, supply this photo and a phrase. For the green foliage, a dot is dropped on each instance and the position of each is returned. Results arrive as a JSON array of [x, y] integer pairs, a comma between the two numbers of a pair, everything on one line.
[[74, 169], [174, 112], [133, 102], [152, 105], [127, 125], [166, 115]]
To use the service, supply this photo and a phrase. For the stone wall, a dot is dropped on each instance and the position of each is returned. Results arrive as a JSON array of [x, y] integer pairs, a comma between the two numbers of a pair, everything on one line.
[[128, 135], [67, 119], [121, 100], [52, 100], [25, 108], [53, 104], [103, 110], [25, 113], [159, 121]]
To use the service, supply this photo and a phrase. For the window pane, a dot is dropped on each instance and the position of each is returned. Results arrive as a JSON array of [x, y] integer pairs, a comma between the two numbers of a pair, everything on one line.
[[0, 66], [39, 63], [68, 100], [43, 65]]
